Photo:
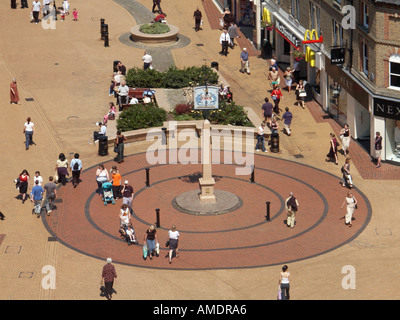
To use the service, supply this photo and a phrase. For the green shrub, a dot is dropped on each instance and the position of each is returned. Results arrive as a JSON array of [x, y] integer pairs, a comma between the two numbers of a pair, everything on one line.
[[141, 116], [155, 28]]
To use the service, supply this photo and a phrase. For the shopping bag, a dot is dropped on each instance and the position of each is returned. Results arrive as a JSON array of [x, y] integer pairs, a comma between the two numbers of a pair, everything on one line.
[[145, 250]]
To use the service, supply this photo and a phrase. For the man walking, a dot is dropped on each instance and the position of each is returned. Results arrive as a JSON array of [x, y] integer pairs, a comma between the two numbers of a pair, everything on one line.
[[24, 4], [291, 205], [36, 6], [197, 19], [244, 61], [267, 109], [261, 138], [127, 194], [51, 194], [37, 197], [233, 33], [147, 60], [287, 120], [108, 276], [158, 4], [76, 169], [224, 40]]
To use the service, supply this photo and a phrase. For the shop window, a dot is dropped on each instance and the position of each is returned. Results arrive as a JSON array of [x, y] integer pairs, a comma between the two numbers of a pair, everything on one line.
[[392, 140], [394, 72]]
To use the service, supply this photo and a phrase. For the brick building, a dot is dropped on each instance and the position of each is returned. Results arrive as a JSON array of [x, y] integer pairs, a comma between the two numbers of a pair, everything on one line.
[[362, 90]]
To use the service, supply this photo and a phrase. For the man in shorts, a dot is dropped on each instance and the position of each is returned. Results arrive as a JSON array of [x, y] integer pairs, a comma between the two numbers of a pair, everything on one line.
[[267, 108]]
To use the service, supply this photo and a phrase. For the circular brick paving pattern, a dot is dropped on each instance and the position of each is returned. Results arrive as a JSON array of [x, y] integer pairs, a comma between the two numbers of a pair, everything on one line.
[[242, 238]]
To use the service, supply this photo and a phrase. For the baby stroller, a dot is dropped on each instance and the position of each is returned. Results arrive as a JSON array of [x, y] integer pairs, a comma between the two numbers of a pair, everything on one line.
[[128, 233], [107, 193]]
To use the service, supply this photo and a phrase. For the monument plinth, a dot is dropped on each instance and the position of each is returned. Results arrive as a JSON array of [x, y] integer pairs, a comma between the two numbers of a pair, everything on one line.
[[207, 182]]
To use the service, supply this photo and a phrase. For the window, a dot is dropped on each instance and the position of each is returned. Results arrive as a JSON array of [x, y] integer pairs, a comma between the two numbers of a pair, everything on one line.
[[365, 58], [394, 71], [294, 10], [315, 18], [365, 15]]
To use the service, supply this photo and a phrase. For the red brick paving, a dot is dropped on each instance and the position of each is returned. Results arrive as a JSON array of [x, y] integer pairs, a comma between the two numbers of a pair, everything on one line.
[[239, 239]]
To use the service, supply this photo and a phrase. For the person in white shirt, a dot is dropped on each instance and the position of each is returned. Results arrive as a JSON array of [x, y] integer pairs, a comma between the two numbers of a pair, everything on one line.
[[38, 178], [224, 40], [29, 129], [102, 132], [173, 236], [123, 92], [147, 60], [146, 99], [134, 100], [36, 6], [65, 6]]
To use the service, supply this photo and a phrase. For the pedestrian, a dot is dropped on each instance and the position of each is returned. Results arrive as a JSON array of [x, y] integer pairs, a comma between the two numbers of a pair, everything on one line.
[[224, 40], [75, 14], [288, 75], [351, 205], [116, 183], [101, 177], [260, 138], [287, 121], [284, 282], [292, 206], [13, 4], [233, 34], [273, 76], [24, 184], [127, 194], [173, 238], [267, 108], [51, 194], [108, 276], [273, 64], [36, 6], [345, 137], [276, 95], [24, 4], [119, 146], [147, 60], [66, 7], [347, 179], [378, 148], [76, 169], [62, 169], [244, 61], [300, 94], [29, 130], [296, 71], [38, 178], [197, 19], [157, 3], [37, 197], [333, 149], [46, 7], [14, 94], [150, 238], [125, 217]]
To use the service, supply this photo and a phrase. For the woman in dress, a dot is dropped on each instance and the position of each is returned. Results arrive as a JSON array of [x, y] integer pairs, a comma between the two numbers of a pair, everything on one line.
[[333, 149], [23, 184], [351, 204], [125, 217], [14, 95], [347, 179], [173, 236], [276, 95], [288, 75], [345, 136], [150, 238], [300, 88], [62, 169], [101, 177], [284, 282], [119, 147]]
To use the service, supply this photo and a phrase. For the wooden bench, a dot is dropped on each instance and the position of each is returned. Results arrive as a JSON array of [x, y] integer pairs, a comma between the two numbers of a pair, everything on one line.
[[138, 94]]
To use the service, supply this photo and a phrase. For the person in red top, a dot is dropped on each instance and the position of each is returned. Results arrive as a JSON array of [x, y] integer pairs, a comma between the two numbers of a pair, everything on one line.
[[276, 95], [159, 18], [108, 275]]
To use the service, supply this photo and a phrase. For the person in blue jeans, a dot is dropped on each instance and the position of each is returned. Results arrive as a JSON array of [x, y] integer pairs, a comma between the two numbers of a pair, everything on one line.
[[24, 4], [261, 138], [37, 197], [29, 129]]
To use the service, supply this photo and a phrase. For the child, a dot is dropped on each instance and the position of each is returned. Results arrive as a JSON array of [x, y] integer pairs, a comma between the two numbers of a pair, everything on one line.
[[130, 233], [75, 13], [62, 13]]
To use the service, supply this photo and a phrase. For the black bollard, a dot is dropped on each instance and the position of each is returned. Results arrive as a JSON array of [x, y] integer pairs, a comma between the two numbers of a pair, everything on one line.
[[158, 218], [268, 211], [147, 177], [252, 174], [164, 136], [106, 43], [104, 30]]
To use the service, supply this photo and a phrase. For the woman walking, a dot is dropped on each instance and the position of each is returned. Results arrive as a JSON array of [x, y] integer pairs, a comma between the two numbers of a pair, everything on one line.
[[284, 282], [119, 147], [345, 136], [62, 169], [300, 94], [29, 130], [347, 179], [14, 95], [173, 236], [288, 75], [150, 238], [351, 205], [333, 150], [276, 95], [23, 184], [101, 177]]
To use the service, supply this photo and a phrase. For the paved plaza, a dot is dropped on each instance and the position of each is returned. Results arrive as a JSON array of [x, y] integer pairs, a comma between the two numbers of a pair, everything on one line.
[[63, 78]]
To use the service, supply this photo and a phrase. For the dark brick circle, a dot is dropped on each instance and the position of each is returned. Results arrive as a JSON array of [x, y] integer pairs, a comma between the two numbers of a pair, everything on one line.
[[239, 239]]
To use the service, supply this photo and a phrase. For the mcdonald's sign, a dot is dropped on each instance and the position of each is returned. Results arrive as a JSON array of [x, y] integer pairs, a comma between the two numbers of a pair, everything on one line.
[[309, 37], [266, 16]]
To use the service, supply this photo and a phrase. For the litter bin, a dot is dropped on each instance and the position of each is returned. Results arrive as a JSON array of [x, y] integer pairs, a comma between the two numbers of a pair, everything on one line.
[[103, 146], [274, 142], [214, 65]]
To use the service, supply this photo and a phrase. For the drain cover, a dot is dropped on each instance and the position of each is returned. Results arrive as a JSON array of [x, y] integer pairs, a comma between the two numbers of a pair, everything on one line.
[[29, 99]]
